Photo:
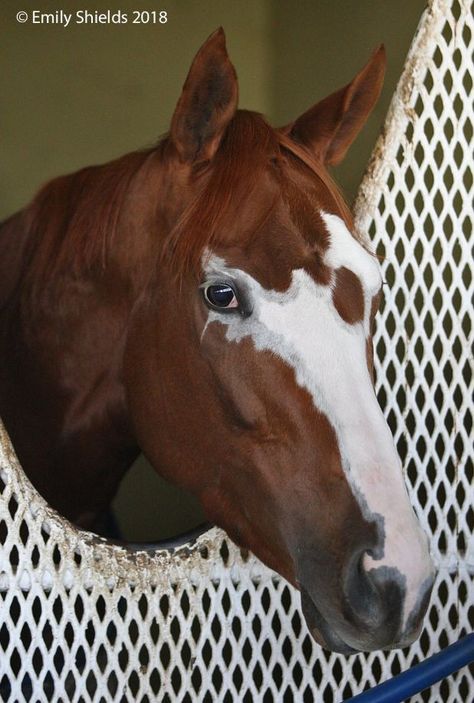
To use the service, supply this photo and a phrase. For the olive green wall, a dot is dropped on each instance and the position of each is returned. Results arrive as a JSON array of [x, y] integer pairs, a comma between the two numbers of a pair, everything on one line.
[[85, 94], [318, 45]]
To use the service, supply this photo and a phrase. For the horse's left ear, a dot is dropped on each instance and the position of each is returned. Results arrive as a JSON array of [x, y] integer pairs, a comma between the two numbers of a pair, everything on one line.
[[329, 127], [207, 104]]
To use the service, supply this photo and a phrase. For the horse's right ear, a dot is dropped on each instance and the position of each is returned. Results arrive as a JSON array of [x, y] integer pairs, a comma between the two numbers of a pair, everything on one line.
[[207, 104], [329, 127]]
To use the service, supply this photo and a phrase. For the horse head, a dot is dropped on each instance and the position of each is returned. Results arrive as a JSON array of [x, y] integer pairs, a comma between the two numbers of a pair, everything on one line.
[[248, 362]]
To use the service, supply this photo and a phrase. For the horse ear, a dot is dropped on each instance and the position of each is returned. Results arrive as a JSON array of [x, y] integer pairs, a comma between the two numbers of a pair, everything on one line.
[[329, 127], [208, 102]]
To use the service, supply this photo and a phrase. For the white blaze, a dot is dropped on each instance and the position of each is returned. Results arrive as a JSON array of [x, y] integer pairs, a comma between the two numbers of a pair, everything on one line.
[[302, 327]]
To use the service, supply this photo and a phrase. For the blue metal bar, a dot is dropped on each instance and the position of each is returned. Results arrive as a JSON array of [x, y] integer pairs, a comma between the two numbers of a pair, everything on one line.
[[421, 676]]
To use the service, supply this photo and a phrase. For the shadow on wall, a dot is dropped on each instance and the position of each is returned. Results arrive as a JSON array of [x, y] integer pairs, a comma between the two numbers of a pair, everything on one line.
[[85, 94], [148, 508]]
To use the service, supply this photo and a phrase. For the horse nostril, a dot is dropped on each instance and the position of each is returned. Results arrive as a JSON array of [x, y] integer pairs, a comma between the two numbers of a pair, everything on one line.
[[363, 599], [374, 598]]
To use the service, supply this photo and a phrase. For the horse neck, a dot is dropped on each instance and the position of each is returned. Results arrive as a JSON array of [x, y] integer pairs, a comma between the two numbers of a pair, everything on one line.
[[13, 241], [66, 264], [61, 396]]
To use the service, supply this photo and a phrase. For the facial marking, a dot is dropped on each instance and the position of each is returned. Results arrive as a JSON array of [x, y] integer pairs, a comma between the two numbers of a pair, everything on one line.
[[348, 296], [303, 327], [345, 252]]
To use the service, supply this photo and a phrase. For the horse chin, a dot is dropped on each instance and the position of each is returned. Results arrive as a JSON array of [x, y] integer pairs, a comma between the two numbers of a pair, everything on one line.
[[329, 639], [320, 630]]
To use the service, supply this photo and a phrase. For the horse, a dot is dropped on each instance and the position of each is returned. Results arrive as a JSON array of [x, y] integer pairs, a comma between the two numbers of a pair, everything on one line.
[[207, 301]]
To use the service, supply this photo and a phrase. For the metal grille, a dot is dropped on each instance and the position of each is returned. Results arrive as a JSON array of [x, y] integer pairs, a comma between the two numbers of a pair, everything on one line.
[[83, 620]]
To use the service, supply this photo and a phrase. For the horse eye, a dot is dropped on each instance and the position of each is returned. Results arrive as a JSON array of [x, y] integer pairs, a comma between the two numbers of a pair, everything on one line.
[[221, 295]]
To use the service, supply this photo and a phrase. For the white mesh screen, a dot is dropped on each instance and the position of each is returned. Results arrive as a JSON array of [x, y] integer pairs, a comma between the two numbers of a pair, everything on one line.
[[83, 620]]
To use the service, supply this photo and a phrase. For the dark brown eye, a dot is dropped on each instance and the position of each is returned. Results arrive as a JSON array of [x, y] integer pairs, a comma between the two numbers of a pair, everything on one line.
[[220, 296]]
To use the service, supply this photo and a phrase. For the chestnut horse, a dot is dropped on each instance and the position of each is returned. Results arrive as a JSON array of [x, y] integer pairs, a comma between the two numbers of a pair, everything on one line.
[[207, 302]]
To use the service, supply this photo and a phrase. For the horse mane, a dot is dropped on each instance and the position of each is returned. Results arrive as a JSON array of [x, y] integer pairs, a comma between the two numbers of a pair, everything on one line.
[[73, 220], [248, 146]]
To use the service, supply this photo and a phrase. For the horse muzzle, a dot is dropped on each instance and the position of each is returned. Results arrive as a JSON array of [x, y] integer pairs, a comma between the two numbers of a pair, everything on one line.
[[367, 613]]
